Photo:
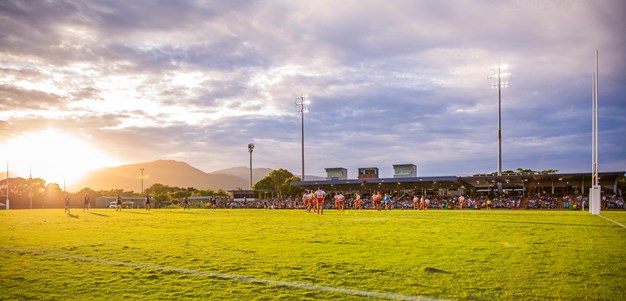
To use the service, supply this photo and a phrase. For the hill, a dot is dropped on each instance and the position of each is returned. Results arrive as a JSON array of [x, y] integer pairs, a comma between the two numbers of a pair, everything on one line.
[[244, 173], [167, 172]]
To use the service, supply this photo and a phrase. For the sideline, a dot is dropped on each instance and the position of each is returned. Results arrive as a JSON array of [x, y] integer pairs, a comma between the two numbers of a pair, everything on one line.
[[229, 276], [615, 222]]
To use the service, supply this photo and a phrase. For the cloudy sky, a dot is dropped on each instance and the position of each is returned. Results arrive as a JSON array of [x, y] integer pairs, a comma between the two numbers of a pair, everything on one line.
[[85, 84]]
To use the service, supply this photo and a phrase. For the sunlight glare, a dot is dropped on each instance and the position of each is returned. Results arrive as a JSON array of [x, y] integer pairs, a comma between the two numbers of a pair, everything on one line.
[[53, 156]]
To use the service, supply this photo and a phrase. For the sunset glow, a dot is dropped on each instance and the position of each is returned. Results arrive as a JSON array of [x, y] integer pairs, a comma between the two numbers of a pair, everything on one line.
[[196, 81], [54, 156]]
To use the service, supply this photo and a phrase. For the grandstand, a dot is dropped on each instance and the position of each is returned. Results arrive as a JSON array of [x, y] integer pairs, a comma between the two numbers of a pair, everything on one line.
[[554, 183]]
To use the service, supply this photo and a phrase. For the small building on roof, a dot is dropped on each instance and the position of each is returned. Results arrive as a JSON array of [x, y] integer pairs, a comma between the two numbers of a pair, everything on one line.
[[404, 170], [336, 173], [368, 173]]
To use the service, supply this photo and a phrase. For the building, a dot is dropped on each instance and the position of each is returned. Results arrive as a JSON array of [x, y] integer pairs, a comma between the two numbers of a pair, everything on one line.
[[553, 183], [336, 173], [251, 195], [127, 201], [368, 173], [404, 170]]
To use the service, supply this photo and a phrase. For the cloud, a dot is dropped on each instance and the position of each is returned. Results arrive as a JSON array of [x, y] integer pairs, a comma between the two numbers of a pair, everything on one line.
[[400, 82]]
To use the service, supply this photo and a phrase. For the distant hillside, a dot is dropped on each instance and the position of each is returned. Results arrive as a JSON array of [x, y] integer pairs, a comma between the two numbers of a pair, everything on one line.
[[257, 173], [167, 172], [172, 173], [244, 173]]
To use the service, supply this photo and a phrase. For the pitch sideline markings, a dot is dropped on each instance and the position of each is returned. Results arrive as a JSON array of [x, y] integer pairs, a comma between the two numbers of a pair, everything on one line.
[[615, 222], [230, 276]]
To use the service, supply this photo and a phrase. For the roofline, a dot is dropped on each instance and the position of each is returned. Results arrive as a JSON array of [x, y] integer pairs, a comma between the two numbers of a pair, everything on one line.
[[457, 179]]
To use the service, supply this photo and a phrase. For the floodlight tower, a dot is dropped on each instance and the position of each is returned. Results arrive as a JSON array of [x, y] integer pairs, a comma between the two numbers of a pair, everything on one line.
[[302, 106], [141, 169], [499, 77], [250, 149], [594, 191], [7, 204], [30, 193]]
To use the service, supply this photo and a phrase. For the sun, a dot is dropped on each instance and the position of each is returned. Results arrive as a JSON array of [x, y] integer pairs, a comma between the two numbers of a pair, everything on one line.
[[54, 156]]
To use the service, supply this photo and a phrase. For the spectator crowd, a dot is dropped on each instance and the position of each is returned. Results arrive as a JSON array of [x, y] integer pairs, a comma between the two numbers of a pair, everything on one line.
[[406, 202]]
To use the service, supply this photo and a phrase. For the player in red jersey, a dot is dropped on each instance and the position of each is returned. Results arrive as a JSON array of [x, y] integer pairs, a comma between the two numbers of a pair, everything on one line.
[[319, 204], [358, 202], [376, 201]]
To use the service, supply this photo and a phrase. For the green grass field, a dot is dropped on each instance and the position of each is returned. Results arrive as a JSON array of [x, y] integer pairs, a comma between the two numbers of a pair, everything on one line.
[[171, 254]]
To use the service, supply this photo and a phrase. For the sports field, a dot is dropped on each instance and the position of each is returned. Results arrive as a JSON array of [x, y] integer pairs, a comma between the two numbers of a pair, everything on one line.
[[171, 254]]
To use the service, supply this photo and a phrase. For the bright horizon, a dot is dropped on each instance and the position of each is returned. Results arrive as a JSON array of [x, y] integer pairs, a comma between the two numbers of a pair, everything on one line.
[[53, 156], [88, 84]]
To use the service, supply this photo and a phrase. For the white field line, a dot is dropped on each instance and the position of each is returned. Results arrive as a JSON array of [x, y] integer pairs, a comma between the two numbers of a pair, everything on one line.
[[229, 276], [615, 222]]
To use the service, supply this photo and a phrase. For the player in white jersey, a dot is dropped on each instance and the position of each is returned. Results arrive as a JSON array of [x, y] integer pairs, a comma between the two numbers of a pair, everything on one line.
[[376, 201], [319, 204], [358, 202], [339, 201], [307, 199]]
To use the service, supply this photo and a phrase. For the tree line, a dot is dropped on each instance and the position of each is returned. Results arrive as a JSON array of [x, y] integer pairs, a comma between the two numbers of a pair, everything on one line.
[[50, 195]]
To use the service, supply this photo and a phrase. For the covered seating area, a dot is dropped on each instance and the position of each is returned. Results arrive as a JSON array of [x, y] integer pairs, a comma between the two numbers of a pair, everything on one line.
[[526, 183]]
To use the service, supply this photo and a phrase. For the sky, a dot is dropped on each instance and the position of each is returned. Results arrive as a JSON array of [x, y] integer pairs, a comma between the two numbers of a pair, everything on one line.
[[89, 84]]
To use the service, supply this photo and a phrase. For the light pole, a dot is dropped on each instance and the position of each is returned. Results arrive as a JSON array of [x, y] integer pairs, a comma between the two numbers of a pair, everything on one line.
[[250, 149], [302, 106], [498, 77], [30, 193], [7, 205], [594, 191], [141, 180]]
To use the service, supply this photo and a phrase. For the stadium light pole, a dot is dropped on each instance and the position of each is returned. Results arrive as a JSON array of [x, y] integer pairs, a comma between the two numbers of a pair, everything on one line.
[[250, 149], [302, 106], [142, 169], [498, 77], [30, 193], [7, 204], [594, 191]]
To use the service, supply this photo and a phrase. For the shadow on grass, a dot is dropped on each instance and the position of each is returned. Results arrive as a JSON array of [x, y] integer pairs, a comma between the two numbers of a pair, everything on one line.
[[99, 214], [435, 270], [524, 222], [142, 213], [181, 212], [72, 215]]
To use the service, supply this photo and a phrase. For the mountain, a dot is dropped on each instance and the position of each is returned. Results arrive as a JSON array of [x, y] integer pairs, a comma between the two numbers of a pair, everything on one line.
[[171, 173], [257, 173], [167, 172], [244, 173]]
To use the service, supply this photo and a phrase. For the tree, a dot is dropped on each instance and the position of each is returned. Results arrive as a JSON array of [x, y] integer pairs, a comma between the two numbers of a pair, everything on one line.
[[278, 180], [289, 189], [266, 183], [158, 188], [54, 196]]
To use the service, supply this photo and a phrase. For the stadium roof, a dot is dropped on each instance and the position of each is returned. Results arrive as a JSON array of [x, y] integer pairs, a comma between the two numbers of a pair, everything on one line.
[[520, 180]]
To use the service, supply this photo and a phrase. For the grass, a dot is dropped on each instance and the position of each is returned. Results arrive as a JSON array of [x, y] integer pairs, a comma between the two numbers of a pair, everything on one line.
[[462, 255]]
